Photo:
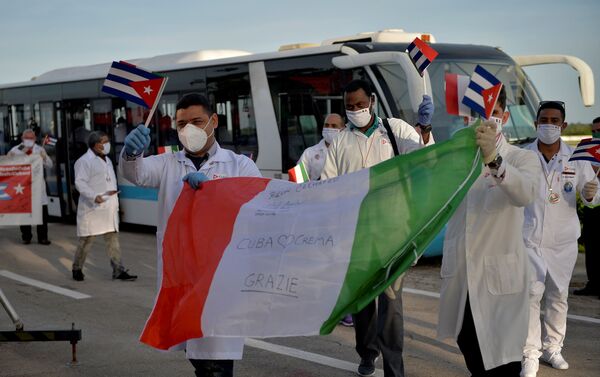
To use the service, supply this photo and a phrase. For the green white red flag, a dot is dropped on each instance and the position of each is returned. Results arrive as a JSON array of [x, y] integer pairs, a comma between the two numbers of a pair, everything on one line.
[[243, 256]]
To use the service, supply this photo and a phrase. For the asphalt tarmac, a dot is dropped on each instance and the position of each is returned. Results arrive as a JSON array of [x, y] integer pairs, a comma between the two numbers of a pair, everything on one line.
[[111, 314]]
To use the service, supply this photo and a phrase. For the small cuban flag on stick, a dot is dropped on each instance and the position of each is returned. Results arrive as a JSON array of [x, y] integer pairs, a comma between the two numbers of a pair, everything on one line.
[[298, 173], [134, 84], [49, 141], [482, 92], [421, 54], [587, 150]]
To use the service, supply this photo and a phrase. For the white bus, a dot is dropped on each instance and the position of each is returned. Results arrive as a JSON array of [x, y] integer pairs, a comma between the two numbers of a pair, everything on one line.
[[270, 106]]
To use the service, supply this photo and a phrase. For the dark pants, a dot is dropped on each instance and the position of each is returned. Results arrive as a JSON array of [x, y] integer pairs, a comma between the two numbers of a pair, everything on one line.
[[213, 368], [591, 240], [42, 230], [469, 346], [382, 330]]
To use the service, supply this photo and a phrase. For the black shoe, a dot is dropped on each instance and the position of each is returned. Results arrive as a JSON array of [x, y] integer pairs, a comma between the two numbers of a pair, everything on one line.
[[44, 242], [212, 368], [366, 367], [586, 291], [123, 275], [77, 275], [26, 242]]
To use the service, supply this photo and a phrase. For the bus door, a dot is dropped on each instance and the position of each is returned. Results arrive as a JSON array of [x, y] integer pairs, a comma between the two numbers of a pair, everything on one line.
[[77, 126], [4, 131], [49, 127]]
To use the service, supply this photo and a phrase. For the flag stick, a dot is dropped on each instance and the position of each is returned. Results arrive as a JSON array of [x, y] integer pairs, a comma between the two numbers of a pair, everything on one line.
[[160, 91]]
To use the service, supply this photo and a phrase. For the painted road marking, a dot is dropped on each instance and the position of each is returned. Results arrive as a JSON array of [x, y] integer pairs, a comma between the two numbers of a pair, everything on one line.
[[573, 317], [308, 356], [40, 284]]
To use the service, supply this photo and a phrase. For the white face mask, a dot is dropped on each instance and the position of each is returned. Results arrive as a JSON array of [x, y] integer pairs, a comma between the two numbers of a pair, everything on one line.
[[193, 138], [360, 118], [329, 134], [106, 148], [548, 133], [28, 143]]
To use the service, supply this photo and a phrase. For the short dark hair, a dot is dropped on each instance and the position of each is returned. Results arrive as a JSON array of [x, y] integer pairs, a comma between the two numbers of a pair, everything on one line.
[[95, 138], [355, 85], [596, 120], [502, 98], [194, 99], [552, 105]]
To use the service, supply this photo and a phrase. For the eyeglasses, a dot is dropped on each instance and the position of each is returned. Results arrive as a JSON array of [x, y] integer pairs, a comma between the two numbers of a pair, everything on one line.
[[560, 103]]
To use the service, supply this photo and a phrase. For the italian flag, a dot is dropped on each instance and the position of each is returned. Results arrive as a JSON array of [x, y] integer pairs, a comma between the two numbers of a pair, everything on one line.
[[298, 173], [168, 149], [255, 257]]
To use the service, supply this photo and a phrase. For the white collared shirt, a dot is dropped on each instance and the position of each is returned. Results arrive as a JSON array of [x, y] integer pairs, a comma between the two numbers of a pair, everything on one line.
[[352, 150], [313, 159]]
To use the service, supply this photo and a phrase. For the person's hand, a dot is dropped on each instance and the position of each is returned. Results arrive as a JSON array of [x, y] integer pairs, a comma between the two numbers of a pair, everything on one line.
[[137, 140], [486, 140], [195, 179], [590, 189], [425, 111], [99, 199], [394, 288], [43, 154]]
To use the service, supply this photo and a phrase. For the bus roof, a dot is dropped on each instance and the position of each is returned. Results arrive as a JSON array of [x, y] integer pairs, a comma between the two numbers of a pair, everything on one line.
[[168, 62], [194, 59]]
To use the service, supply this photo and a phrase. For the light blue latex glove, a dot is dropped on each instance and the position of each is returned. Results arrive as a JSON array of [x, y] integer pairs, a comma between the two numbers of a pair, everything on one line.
[[425, 111], [137, 140], [195, 179]]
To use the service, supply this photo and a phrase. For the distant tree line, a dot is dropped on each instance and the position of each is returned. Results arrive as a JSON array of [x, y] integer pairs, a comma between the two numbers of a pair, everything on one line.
[[578, 129]]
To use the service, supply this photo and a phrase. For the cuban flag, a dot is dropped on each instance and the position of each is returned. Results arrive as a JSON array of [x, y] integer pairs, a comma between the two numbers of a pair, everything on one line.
[[133, 84], [482, 92], [587, 150], [421, 54], [3, 194], [49, 141]]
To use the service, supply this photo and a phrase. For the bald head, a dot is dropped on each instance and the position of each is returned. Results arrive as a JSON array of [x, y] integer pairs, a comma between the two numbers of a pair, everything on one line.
[[334, 120], [28, 134]]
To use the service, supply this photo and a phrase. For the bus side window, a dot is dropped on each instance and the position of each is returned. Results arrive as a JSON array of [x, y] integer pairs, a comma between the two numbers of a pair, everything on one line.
[[228, 90], [304, 91]]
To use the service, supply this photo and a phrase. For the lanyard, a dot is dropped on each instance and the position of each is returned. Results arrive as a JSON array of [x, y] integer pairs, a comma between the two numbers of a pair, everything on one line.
[[362, 156], [553, 197]]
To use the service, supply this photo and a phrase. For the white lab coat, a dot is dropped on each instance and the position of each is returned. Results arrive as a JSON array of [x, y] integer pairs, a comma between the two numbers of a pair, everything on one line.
[[351, 150], [313, 159], [47, 162], [166, 171], [550, 230], [95, 176], [484, 256]]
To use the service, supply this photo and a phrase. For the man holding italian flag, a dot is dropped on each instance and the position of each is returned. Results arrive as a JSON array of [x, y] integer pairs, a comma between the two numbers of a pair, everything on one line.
[[367, 141]]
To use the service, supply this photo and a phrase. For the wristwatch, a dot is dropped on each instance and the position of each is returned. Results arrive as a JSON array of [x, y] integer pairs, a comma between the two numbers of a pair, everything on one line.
[[495, 163], [424, 128]]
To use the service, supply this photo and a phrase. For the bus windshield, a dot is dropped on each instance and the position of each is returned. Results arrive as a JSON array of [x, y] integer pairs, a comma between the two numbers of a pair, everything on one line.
[[521, 96]]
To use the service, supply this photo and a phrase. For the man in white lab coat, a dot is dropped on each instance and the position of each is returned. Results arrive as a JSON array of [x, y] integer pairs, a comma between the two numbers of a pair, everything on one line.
[[366, 141], [550, 231], [26, 148], [485, 275], [202, 159], [314, 157], [98, 206]]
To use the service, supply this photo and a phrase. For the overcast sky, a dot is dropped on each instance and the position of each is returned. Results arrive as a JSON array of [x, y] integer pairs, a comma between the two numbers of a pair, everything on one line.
[[38, 36]]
